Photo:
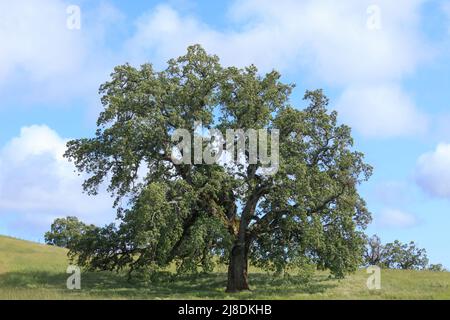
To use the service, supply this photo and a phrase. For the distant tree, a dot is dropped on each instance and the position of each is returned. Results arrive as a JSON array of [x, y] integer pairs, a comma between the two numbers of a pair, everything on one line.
[[64, 231], [398, 255], [309, 211], [437, 267], [374, 251]]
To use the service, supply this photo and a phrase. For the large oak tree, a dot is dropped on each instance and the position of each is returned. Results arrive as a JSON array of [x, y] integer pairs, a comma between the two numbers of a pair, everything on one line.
[[308, 212]]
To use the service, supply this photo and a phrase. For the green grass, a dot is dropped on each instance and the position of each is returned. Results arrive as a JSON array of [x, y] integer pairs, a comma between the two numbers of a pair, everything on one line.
[[33, 271]]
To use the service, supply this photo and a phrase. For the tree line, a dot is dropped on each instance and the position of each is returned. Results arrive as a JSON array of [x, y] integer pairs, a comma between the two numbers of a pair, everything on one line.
[[398, 255]]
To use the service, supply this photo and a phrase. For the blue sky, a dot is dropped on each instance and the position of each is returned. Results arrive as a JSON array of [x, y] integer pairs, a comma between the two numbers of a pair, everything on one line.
[[384, 65]]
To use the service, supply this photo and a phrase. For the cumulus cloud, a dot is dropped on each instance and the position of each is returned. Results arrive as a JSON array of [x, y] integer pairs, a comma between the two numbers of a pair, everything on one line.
[[433, 171], [393, 218], [329, 40], [37, 184], [24, 46], [332, 38], [326, 40], [381, 111], [41, 57]]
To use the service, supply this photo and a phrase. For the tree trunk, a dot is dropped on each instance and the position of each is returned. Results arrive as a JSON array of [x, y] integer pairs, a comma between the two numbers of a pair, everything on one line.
[[237, 269], [238, 265]]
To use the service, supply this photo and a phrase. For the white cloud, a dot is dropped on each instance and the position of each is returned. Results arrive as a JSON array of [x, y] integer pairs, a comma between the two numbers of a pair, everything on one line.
[[433, 171], [393, 193], [334, 36], [331, 37], [381, 111], [35, 39], [446, 9], [329, 40], [43, 59], [323, 39], [37, 184], [393, 218]]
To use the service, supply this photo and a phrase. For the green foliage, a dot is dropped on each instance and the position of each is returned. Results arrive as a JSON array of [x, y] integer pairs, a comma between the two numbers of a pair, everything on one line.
[[308, 213], [65, 231], [373, 254], [404, 256], [396, 255], [437, 267]]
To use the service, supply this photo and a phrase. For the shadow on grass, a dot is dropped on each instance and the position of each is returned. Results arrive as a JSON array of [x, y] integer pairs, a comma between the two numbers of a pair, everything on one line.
[[114, 285]]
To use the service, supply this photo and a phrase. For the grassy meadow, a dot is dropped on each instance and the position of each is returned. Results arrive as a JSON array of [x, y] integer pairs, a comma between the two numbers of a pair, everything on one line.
[[35, 271]]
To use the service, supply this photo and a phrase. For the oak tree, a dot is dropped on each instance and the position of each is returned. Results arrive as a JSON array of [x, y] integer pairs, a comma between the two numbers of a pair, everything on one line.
[[197, 214], [65, 231]]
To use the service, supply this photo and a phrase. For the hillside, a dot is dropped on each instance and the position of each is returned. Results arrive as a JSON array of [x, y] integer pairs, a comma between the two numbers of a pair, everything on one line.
[[34, 271]]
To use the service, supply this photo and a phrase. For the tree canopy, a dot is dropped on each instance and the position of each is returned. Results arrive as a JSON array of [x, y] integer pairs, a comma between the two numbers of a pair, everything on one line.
[[65, 231], [397, 255], [195, 214]]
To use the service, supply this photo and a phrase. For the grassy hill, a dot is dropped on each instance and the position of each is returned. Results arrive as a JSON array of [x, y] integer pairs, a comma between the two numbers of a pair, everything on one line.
[[34, 271]]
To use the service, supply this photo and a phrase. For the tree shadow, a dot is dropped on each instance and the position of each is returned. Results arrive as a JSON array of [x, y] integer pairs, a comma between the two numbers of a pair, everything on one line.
[[164, 286], [270, 285]]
